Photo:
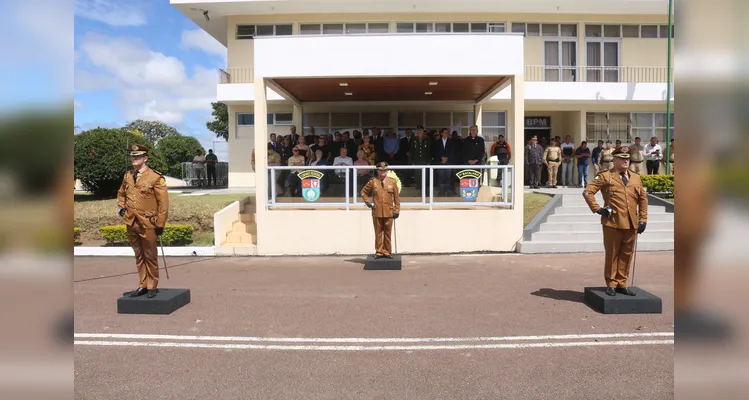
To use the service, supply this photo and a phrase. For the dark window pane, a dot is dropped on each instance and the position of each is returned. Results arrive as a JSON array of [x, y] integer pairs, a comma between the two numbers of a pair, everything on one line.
[[283, 30]]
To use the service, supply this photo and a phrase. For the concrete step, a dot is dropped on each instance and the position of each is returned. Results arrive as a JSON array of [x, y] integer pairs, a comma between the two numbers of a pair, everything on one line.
[[583, 209], [247, 218], [648, 235], [569, 200], [665, 217], [537, 247], [239, 238], [595, 225], [239, 226]]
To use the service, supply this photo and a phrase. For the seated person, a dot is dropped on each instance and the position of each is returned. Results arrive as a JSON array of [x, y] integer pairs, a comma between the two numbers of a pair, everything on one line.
[[343, 159], [295, 185]]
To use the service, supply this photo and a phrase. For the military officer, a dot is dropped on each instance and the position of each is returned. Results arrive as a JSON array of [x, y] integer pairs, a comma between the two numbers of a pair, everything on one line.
[[623, 216], [552, 158], [143, 203], [605, 158], [385, 204]]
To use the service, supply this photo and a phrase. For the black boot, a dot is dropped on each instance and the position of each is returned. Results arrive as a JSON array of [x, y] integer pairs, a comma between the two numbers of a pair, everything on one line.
[[610, 291], [137, 292], [626, 291], [151, 294]]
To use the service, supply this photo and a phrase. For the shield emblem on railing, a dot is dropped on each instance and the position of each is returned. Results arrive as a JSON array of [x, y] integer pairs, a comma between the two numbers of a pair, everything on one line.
[[310, 184], [469, 184]]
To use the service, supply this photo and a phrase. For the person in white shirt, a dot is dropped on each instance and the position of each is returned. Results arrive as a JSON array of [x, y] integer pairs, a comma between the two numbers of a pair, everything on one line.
[[568, 161], [653, 154], [343, 159], [199, 167]]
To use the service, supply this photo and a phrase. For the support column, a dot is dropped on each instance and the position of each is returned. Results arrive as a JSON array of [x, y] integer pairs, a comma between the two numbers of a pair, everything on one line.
[[297, 120], [393, 121], [517, 129], [477, 119], [261, 155]]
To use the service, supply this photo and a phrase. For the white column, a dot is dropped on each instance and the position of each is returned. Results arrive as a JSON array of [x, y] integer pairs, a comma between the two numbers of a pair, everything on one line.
[[297, 120], [261, 155], [516, 128], [477, 119]]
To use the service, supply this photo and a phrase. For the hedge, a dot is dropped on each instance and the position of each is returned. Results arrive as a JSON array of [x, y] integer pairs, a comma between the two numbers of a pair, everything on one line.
[[658, 183], [174, 235]]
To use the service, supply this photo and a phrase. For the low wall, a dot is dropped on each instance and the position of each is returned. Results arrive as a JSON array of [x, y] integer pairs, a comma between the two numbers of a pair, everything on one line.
[[224, 219], [418, 231]]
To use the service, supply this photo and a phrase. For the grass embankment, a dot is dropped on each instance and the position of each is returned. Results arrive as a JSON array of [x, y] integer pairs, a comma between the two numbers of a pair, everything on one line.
[[534, 202]]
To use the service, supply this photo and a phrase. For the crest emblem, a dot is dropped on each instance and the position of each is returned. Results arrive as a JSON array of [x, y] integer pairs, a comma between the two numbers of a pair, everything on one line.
[[469, 184], [134, 147], [310, 184]]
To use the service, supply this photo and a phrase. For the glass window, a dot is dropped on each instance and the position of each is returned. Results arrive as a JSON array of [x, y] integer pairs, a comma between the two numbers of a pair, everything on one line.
[[493, 118], [422, 27], [332, 29], [642, 120], [378, 27], [244, 119], [245, 31], [569, 30], [460, 27], [497, 27], [612, 31], [316, 119], [550, 30], [356, 28], [283, 30], [442, 27], [663, 31], [410, 118], [462, 119], [631, 31], [309, 29], [518, 27], [438, 119], [269, 119], [284, 118], [344, 119], [593, 31], [649, 31], [533, 29], [264, 30], [405, 27], [379, 119], [478, 27]]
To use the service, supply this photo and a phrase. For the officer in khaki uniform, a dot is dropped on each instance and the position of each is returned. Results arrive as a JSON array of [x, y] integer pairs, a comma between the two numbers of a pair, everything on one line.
[[143, 203], [552, 159], [385, 203], [605, 159], [623, 216], [636, 156]]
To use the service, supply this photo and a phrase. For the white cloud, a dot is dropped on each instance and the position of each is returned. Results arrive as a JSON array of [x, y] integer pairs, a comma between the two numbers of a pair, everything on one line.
[[149, 84], [201, 40], [112, 12]]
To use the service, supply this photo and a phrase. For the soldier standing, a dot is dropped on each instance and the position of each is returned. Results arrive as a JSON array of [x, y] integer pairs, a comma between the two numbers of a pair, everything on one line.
[[605, 158], [636, 156], [534, 155], [143, 203], [385, 204], [552, 158], [623, 216], [421, 154]]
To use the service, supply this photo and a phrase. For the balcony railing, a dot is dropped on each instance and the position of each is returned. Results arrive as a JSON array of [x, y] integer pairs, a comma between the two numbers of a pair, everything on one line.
[[236, 75], [542, 73], [339, 186]]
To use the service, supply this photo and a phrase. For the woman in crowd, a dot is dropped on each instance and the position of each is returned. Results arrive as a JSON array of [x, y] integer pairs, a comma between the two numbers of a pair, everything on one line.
[[293, 180], [369, 149], [303, 148], [582, 154]]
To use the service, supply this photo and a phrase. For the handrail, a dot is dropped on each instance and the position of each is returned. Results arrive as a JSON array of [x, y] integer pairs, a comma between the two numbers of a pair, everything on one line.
[[629, 74]]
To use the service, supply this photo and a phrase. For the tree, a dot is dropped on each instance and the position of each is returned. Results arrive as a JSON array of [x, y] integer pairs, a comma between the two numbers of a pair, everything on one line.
[[176, 150], [101, 158], [220, 123], [151, 130]]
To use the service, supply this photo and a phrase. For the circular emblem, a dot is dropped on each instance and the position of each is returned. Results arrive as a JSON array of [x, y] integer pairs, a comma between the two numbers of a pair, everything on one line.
[[134, 147]]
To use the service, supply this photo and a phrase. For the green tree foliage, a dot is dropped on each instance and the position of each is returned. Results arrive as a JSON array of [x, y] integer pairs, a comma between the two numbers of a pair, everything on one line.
[[176, 150], [220, 123], [101, 158], [151, 130]]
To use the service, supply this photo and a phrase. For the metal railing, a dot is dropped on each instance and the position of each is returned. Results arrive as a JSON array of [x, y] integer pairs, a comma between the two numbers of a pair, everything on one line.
[[474, 182], [197, 174], [543, 73], [236, 75]]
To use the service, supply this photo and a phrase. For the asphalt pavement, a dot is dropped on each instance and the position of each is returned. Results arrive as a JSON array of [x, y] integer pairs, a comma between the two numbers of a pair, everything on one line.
[[445, 327]]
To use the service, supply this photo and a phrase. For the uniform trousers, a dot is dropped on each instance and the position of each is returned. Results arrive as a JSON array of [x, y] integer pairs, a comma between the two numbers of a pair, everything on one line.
[[383, 229], [143, 241], [620, 246], [635, 167], [552, 167], [534, 170]]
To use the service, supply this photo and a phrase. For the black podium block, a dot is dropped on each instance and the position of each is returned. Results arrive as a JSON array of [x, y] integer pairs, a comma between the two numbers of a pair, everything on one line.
[[165, 302], [391, 264], [643, 303]]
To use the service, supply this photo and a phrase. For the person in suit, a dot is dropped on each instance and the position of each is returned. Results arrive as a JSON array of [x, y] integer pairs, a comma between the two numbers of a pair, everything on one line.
[[444, 154], [404, 156]]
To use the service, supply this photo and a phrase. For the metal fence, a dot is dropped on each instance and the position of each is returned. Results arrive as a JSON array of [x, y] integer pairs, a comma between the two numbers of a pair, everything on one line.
[[340, 186], [197, 174]]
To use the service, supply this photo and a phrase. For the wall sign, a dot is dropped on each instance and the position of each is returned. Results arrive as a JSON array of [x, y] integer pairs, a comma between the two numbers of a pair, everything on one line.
[[538, 122]]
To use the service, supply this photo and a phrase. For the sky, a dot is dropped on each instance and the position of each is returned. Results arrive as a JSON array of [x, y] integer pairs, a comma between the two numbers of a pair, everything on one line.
[[143, 59]]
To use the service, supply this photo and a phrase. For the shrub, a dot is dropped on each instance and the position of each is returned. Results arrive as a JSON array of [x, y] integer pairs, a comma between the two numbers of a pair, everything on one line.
[[176, 150], [174, 235], [101, 158], [76, 233], [658, 183]]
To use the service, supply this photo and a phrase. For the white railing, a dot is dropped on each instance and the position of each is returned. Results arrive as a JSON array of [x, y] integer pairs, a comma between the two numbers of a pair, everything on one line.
[[485, 176], [542, 73], [236, 75]]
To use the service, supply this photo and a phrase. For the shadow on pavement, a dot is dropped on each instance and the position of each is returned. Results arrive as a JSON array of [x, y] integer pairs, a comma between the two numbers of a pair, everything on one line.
[[135, 272], [357, 261], [565, 295]]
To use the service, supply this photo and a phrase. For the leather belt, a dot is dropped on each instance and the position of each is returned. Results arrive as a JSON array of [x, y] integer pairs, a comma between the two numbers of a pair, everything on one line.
[[636, 162], [557, 160]]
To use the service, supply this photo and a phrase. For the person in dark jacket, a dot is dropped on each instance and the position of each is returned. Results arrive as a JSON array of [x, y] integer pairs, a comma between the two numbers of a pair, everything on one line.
[[501, 149], [473, 147], [404, 152], [444, 154], [421, 154]]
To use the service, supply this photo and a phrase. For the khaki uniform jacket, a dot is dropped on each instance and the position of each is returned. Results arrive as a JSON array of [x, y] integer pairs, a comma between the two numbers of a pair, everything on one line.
[[636, 153], [145, 199], [385, 197], [552, 153], [623, 199], [605, 156]]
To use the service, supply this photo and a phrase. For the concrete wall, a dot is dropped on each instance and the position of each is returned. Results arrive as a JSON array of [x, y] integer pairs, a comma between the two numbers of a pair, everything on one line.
[[644, 52]]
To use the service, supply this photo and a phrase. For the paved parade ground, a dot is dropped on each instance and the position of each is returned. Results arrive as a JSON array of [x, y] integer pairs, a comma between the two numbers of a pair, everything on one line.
[[445, 327]]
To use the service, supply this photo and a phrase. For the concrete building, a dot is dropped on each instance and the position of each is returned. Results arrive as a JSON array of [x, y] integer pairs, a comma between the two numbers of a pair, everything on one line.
[[587, 68]]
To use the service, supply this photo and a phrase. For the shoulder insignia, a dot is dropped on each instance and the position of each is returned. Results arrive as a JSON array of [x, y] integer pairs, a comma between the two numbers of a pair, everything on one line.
[[162, 181], [157, 172]]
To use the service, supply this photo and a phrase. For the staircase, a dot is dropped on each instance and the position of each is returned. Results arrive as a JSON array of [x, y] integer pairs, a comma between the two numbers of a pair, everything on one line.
[[571, 227], [241, 239]]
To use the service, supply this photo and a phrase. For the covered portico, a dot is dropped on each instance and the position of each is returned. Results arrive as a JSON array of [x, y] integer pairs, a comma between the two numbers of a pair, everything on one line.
[[346, 71]]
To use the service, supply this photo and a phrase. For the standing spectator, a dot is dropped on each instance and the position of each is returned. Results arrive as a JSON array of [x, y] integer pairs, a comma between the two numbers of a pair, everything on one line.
[[357, 137], [595, 156], [310, 139], [583, 158], [273, 142], [568, 161], [293, 136], [606, 158], [444, 154], [653, 156], [285, 154], [534, 160], [198, 163], [404, 152], [544, 144], [552, 158], [473, 147], [391, 146], [421, 154], [636, 156], [377, 140], [335, 146], [501, 149], [368, 148], [211, 161], [349, 143]]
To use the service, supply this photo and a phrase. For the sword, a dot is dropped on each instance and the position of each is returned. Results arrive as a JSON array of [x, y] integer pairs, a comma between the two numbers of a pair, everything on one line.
[[163, 257]]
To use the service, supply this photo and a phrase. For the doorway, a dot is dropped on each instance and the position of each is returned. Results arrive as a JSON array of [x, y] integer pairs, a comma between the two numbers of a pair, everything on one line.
[[541, 128]]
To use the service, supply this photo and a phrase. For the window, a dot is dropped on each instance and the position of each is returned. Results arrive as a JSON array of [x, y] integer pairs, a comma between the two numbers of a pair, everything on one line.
[[245, 119], [251, 31], [663, 31], [649, 31], [378, 27], [283, 30], [497, 27], [627, 31], [264, 30], [533, 30], [569, 30], [608, 126], [332, 29], [478, 27], [403, 27], [248, 119], [309, 29], [631, 31], [493, 124], [593, 31], [461, 27], [356, 28], [443, 27], [518, 27], [560, 61], [284, 118], [647, 125], [602, 61], [245, 31], [612, 31], [550, 29], [424, 27]]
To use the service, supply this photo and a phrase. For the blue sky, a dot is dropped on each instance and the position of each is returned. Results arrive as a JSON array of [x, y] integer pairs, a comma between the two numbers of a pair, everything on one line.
[[143, 59]]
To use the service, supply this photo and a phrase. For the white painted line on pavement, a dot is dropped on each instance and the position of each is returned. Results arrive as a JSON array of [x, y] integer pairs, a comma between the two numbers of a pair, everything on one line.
[[371, 348], [368, 340]]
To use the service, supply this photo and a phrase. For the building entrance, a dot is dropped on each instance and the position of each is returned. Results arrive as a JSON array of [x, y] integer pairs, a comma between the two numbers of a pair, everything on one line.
[[541, 128]]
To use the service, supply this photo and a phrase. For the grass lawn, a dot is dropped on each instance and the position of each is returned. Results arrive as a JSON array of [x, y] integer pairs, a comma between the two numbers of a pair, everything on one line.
[[92, 213], [534, 202]]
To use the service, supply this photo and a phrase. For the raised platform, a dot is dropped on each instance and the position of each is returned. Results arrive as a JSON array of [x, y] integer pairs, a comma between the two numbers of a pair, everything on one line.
[[643, 303], [390, 264], [166, 302]]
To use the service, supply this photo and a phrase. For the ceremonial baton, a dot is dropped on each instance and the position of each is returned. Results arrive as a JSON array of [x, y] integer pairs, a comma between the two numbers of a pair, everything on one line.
[[634, 261], [163, 257], [395, 238]]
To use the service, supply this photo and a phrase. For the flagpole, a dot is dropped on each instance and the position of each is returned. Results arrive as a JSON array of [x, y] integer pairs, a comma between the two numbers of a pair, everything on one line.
[[668, 86]]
